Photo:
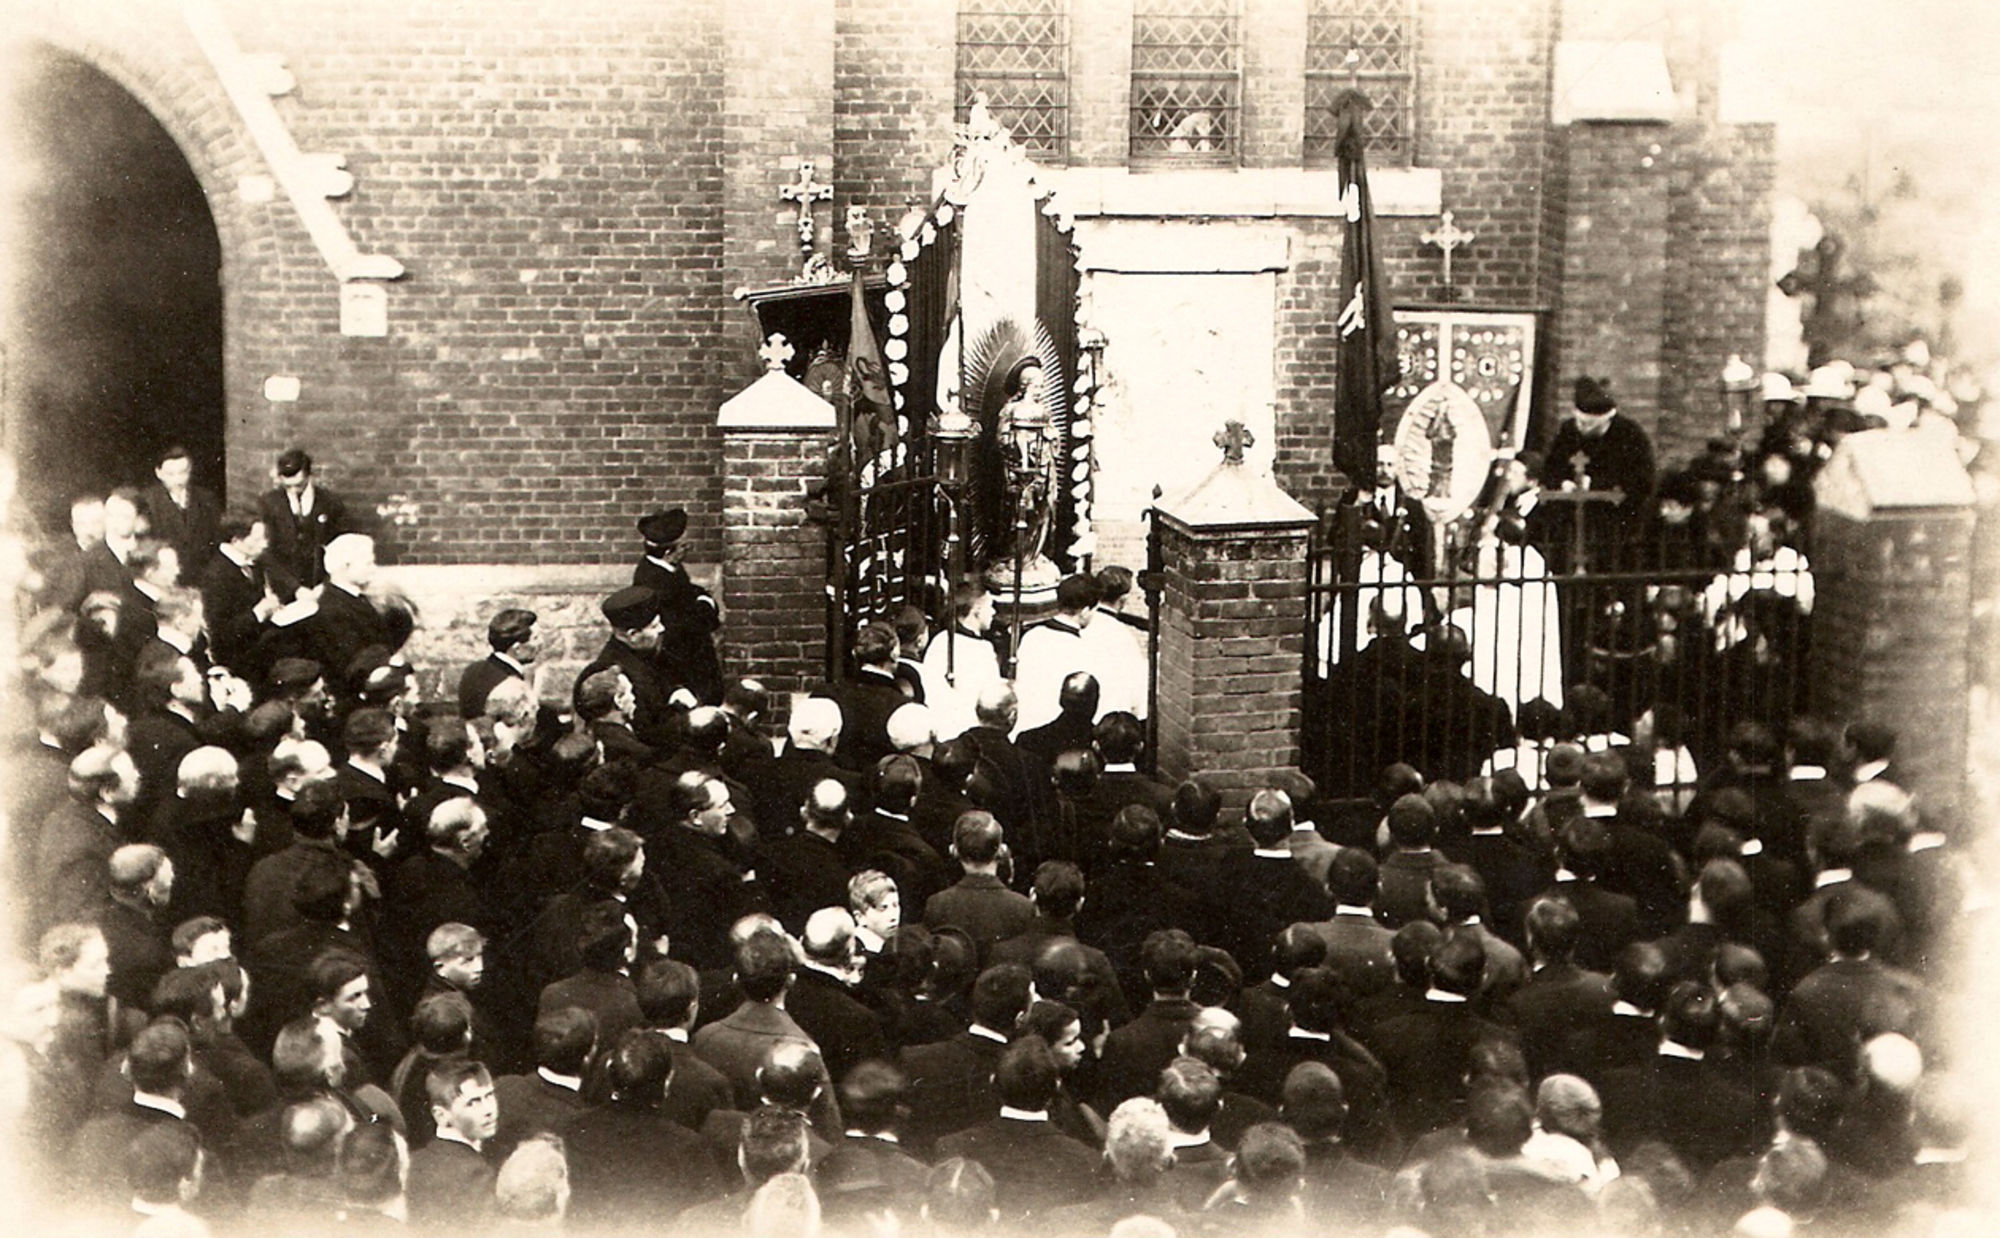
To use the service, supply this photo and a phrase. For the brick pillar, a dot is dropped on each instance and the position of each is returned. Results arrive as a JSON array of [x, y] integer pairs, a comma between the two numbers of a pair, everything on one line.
[[1100, 83], [1615, 262], [776, 436], [1232, 631], [1892, 619]]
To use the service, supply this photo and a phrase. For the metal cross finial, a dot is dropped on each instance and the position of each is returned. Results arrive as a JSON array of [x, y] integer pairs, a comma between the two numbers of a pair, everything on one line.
[[775, 352], [1448, 236], [805, 193], [1234, 438]]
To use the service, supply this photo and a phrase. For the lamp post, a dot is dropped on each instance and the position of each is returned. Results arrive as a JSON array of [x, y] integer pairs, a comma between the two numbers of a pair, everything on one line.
[[1739, 388], [952, 434]]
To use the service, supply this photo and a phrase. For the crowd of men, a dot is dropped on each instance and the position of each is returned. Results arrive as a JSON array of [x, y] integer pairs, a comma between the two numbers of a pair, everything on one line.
[[299, 955]]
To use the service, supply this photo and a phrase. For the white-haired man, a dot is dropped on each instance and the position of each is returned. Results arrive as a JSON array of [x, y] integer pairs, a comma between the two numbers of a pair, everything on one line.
[[347, 622]]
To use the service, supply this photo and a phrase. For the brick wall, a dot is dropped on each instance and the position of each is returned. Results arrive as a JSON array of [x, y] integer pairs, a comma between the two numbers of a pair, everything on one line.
[[1231, 653], [774, 593], [895, 69]]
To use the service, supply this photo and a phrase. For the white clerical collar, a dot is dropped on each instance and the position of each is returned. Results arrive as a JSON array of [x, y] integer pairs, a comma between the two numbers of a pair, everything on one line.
[[1024, 1115], [1600, 810], [1181, 836], [1280, 981], [986, 1033], [234, 555], [855, 1132], [1490, 832], [870, 940], [50, 741], [1868, 771], [1670, 1048], [461, 781], [657, 561], [1621, 1006], [838, 977], [1121, 767], [146, 587], [369, 768], [1924, 840], [177, 638], [594, 825], [1272, 853], [1805, 773], [1439, 995], [1300, 1033], [1563, 874], [1349, 909], [679, 1035], [517, 668], [1832, 877], [1751, 846], [165, 1104], [893, 816], [573, 1083], [1181, 1139], [349, 590], [1468, 921], [445, 1133]]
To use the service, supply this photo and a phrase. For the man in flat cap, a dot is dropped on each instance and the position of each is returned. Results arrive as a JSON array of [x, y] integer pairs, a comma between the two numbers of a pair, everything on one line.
[[688, 615], [634, 615], [1596, 449]]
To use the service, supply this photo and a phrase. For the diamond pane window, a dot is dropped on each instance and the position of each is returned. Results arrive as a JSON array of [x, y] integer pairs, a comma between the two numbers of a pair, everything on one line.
[[1016, 54], [1187, 82], [1369, 46]]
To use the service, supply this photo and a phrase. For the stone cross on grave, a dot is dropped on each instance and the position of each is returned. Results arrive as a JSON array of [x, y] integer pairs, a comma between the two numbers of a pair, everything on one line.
[[806, 192], [1448, 236], [1234, 438]]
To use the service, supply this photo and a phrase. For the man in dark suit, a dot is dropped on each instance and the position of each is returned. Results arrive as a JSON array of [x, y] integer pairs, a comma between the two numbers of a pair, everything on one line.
[[1853, 996], [707, 891], [688, 615], [658, 705], [737, 1043], [1511, 873], [365, 783], [347, 622], [159, 1065], [1357, 944], [511, 633], [1348, 1192], [603, 986], [319, 825], [951, 1080], [1191, 1094], [868, 1170], [985, 910], [1120, 739], [436, 885], [1405, 875], [886, 837], [1018, 794], [1194, 840], [1317, 1032], [866, 699], [302, 517], [1057, 893], [812, 733], [630, 1162], [1641, 864], [822, 999], [669, 1002], [237, 596], [1677, 1095], [545, 1101], [1131, 899], [1135, 1054], [1610, 920], [1073, 727], [141, 879], [1560, 1002], [1427, 1052], [1257, 895], [180, 512], [806, 870], [79, 836], [1035, 1167], [451, 1178]]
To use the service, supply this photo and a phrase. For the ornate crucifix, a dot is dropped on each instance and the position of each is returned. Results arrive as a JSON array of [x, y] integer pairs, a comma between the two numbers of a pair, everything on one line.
[[805, 193], [1829, 321], [1448, 236]]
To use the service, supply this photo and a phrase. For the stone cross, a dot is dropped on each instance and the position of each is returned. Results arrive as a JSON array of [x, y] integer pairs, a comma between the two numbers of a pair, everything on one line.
[[806, 192], [1448, 236], [1234, 438], [775, 352]]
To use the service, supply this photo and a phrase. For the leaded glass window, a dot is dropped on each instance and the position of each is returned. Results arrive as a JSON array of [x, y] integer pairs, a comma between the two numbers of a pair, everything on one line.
[[1187, 81], [1016, 54], [1369, 46]]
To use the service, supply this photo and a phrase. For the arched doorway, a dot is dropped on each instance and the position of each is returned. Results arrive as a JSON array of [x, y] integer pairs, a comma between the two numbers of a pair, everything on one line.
[[114, 349]]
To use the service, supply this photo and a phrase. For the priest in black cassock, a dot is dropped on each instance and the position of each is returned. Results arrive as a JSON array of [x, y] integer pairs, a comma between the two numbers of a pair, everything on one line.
[[1598, 450], [688, 615]]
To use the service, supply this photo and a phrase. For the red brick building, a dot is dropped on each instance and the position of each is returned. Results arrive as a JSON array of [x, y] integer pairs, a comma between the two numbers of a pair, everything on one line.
[[511, 332]]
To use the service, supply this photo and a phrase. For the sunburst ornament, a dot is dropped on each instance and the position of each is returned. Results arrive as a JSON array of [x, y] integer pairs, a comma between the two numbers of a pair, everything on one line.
[[995, 357]]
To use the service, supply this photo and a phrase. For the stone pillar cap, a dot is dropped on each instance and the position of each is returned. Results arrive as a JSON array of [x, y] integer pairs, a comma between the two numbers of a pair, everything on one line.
[[777, 401], [1235, 496], [1888, 470]]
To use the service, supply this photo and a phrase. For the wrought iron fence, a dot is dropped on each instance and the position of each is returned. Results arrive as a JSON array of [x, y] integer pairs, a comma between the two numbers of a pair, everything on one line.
[[1464, 673]]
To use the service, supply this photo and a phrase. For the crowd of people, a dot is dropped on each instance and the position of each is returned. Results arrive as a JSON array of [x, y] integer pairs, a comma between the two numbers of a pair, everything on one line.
[[299, 953]]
